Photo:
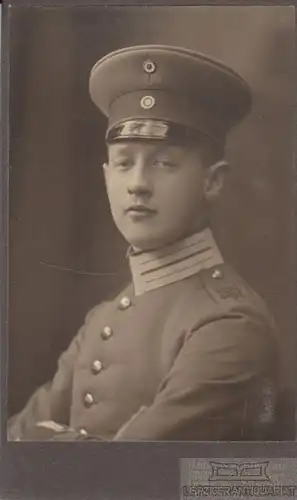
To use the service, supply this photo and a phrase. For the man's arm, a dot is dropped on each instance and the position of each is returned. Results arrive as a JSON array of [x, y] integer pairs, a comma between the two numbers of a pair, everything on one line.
[[52, 401], [204, 396]]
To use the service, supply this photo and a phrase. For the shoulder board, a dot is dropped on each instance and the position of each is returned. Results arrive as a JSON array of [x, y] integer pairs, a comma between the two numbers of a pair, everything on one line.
[[223, 284]]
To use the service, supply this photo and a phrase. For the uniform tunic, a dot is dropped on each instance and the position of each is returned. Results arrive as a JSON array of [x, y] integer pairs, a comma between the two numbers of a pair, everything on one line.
[[183, 353]]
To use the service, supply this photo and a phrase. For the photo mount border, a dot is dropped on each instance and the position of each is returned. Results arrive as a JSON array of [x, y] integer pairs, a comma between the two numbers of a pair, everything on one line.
[[139, 470]]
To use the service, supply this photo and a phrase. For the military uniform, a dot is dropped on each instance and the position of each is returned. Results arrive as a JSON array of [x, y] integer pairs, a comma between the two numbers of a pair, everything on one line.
[[169, 358], [187, 349]]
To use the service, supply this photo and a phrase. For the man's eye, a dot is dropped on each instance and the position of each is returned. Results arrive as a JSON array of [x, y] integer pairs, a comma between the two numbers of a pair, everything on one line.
[[169, 164], [121, 163]]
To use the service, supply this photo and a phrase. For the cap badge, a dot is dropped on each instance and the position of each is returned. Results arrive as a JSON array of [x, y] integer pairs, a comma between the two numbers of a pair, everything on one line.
[[147, 102], [149, 66]]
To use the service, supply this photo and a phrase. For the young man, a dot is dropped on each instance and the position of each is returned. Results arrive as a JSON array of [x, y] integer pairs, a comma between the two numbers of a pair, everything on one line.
[[187, 350]]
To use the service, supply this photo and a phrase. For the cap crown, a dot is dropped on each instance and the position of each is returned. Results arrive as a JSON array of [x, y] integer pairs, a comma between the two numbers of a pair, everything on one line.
[[172, 84]]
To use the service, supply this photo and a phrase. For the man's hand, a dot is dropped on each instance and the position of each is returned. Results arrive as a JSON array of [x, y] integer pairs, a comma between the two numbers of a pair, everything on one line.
[[52, 431]]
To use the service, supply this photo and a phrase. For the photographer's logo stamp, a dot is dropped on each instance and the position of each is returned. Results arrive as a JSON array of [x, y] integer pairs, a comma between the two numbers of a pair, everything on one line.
[[238, 478], [232, 471]]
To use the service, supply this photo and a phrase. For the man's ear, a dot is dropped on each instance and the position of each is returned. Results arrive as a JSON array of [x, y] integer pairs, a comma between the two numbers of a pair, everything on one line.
[[105, 170], [214, 180]]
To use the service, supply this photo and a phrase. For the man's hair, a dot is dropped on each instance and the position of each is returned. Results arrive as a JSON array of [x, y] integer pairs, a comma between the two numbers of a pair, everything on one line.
[[209, 149]]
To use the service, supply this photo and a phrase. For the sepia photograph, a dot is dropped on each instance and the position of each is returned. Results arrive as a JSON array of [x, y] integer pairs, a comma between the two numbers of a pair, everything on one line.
[[152, 279]]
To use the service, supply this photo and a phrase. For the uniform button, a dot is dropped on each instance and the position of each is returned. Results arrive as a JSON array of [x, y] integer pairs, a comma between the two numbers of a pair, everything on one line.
[[106, 333], [217, 274], [96, 366], [88, 399], [83, 432], [125, 302]]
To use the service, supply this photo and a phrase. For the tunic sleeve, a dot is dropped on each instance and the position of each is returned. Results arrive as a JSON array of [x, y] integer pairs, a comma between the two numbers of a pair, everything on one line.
[[206, 394], [52, 401]]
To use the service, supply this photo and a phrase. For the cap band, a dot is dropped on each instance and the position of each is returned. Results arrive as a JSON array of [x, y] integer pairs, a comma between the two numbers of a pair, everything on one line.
[[166, 106], [152, 129]]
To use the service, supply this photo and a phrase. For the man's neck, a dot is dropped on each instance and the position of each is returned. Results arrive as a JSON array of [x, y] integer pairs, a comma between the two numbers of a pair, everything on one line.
[[174, 262]]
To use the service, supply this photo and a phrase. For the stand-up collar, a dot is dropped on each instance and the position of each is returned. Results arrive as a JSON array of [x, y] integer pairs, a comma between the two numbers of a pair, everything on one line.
[[173, 262]]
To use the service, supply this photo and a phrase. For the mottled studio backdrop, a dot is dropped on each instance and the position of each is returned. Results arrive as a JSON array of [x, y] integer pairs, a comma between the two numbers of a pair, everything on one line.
[[65, 255]]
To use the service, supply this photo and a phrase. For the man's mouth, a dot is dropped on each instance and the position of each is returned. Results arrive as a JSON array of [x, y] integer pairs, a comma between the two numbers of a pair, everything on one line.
[[140, 210]]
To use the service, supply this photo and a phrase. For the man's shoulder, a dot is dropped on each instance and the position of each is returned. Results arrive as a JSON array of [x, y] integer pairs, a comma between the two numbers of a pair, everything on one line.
[[224, 285], [220, 291], [210, 294]]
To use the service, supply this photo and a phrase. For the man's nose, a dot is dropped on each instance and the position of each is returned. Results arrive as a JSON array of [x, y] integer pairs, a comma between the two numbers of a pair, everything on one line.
[[139, 180]]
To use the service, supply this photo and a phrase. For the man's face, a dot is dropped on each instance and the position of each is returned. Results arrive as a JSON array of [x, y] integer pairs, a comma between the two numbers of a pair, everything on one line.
[[156, 191]]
